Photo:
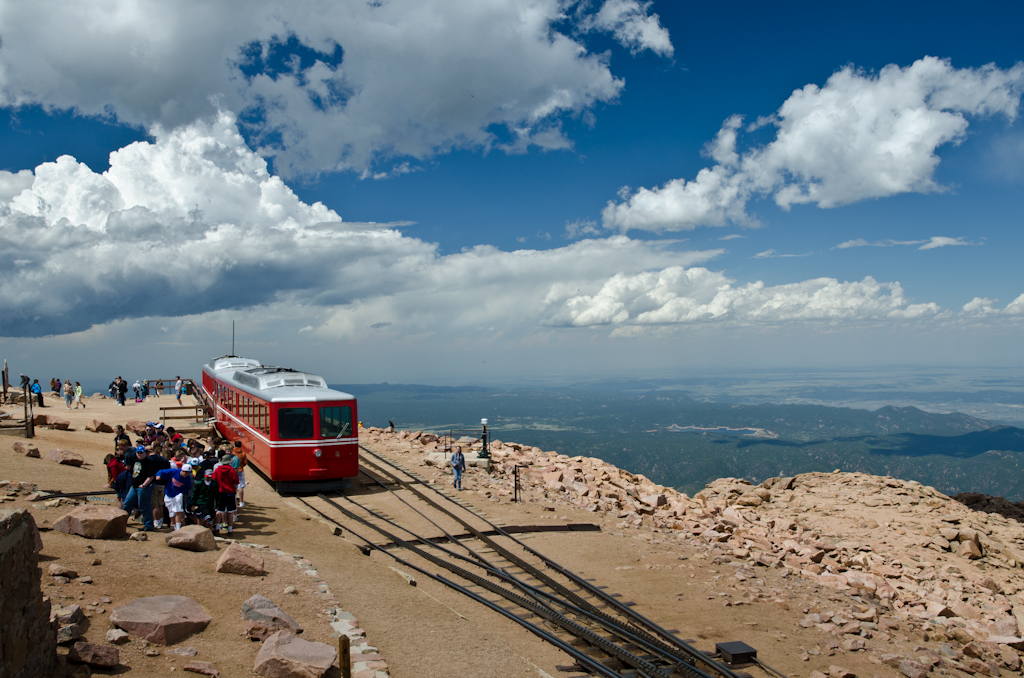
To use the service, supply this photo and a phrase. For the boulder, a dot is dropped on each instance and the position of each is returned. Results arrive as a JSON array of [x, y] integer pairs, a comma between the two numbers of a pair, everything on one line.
[[654, 500], [69, 614], [285, 655], [969, 549], [204, 668], [56, 570], [117, 637], [93, 654], [68, 633], [261, 630], [192, 538], [94, 522], [912, 669], [261, 608], [136, 427], [39, 420], [21, 447], [240, 560], [98, 426], [55, 422], [164, 620], [66, 457]]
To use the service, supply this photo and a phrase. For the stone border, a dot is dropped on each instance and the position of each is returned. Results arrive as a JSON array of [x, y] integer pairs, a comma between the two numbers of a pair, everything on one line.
[[366, 659]]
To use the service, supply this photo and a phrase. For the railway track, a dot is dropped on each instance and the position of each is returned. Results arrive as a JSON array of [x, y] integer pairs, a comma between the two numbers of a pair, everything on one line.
[[480, 559]]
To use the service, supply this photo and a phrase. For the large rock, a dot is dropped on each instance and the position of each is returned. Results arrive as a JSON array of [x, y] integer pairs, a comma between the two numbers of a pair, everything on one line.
[[98, 426], [136, 427], [202, 668], [240, 560], [21, 447], [164, 620], [285, 655], [66, 457], [94, 522], [93, 654], [261, 608], [192, 538], [53, 421]]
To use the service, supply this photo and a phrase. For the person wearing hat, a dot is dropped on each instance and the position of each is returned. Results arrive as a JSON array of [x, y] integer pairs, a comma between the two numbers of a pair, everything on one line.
[[204, 499], [227, 484], [178, 485]]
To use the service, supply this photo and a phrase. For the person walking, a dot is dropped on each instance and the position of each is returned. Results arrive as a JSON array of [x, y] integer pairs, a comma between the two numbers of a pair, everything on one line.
[[140, 496], [38, 391], [178, 386], [145, 389], [158, 388], [78, 396], [69, 393], [458, 466], [137, 387], [122, 390]]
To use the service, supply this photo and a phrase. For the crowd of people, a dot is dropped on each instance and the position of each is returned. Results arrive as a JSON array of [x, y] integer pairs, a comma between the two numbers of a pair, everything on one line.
[[170, 481], [72, 393], [118, 389]]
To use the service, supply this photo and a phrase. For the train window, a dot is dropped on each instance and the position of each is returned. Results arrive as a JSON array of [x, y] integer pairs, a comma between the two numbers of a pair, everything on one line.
[[295, 422], [335, 422]]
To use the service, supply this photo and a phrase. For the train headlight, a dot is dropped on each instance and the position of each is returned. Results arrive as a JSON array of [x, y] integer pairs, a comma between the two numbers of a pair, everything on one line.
[[317, 453]]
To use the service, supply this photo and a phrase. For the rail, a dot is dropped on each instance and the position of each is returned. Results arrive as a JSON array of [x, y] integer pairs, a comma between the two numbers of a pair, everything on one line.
[[575, 613]]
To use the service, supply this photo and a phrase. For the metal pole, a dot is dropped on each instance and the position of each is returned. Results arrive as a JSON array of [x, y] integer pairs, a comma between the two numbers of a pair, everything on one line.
[[232, 337], [515, 494]]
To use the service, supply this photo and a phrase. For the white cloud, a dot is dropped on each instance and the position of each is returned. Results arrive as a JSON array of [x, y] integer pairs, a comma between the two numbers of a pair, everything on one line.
[[861, 242], [341, 85], [941, 241], [193, 223], [980, 306], [631, 25], [581, 227], [860, 136], [772, 254], [732, 236], [678, 295], [1015, 307]]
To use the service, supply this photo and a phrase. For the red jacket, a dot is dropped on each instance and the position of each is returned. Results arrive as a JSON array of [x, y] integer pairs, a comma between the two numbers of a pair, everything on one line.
[[114, 469], [226, 478]]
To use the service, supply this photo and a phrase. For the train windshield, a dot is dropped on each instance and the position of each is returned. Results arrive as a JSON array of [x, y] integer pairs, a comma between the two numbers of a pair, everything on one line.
[[295, 422], [335, 422]]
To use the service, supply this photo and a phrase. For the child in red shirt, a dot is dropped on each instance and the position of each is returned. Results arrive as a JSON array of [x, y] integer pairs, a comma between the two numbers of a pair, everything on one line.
[[227, 483]]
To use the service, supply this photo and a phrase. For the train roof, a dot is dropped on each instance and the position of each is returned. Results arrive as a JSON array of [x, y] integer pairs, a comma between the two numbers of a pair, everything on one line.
[[271, 383]]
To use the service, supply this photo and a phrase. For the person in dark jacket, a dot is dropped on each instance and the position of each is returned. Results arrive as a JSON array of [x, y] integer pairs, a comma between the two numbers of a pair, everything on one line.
[[204, 499], [122, 390]]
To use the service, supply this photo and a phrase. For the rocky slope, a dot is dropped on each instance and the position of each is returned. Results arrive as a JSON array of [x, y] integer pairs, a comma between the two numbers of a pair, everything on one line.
[[889, 567]]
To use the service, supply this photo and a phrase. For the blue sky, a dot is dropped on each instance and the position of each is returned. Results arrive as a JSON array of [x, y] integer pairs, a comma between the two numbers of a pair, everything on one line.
[[523, 189]]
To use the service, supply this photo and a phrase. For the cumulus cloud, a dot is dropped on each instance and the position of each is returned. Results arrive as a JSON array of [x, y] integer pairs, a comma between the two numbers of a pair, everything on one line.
[[860, 136], [341, 85], [193, 222], [632, 26], [678, 295]]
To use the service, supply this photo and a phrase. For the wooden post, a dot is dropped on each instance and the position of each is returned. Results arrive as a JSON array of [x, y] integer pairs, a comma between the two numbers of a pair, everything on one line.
[[344, 656]]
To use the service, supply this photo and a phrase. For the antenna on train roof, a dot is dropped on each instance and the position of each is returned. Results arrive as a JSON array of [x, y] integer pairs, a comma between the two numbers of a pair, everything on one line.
[[233, 339]]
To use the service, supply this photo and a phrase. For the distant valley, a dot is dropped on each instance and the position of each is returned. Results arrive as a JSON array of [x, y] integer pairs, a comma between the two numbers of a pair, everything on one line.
[[657, 433]]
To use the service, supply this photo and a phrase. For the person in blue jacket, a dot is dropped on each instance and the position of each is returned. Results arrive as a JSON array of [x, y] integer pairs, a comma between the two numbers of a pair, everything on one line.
[[458, 466], [179, 486], [38, 390]]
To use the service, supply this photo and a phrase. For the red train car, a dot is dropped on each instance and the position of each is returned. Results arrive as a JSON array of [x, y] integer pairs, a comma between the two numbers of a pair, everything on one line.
[[299, 434]]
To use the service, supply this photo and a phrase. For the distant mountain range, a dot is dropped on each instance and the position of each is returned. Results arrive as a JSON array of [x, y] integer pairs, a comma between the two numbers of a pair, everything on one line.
[[952, 452]]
